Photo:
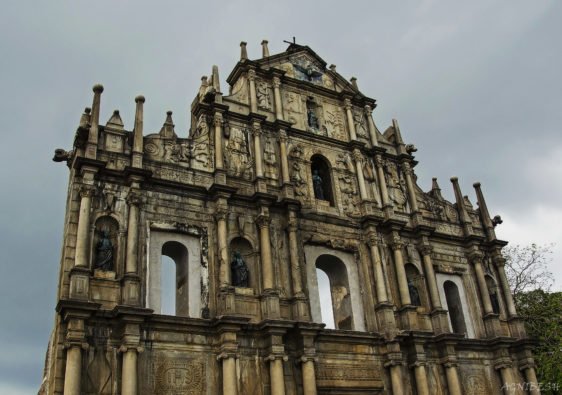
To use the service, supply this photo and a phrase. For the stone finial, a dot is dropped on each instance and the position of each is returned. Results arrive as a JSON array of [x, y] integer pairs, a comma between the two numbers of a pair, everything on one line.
[[85, 118], [138, 146], [435, 190], [484, 213], [264, 49], [397, 132], [215, 82], [243, 51], [461, 207], [353, 81], [203, 87], [167, 130], [333, 67], [92, 146], [115, 122]]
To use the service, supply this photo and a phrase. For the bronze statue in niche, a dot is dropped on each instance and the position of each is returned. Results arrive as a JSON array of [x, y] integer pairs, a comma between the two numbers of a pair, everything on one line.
[[239, 271], [104, 252]]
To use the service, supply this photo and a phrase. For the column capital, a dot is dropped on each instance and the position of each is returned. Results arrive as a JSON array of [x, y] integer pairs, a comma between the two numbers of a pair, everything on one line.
[[368, 110], [76, 343], [347, 104], [308, 358], [499, 260], [87, 191], [407, 169], [263, 220], [292, 225], [449, 361], [379, 161], [425, 249], [127, 347], [276, 82], [251, 74], [476, 256], [134, 198], [273, 357], [217, 119], [256, 128], [357, 156], [283, 135], [396, 243], [503, 363], [221, 214], [226, 355]]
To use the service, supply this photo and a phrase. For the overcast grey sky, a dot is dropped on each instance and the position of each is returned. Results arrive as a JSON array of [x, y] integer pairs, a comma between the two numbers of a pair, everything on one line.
[[475, 86]]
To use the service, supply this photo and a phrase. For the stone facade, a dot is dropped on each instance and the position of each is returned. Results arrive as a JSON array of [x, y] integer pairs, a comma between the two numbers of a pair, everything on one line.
[[290, 174]]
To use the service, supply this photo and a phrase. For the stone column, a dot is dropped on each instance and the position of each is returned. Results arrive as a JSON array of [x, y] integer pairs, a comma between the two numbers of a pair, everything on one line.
[[372, 127], [134, 200], [263, 222], [224, 269], [359, 168], [499, 260], [426, 250], [400, 271], [382, 181], [452, 375], [229, 385], [285, 177], [476, 258], [217, 121], [83, 231], [380, 285], [256, 128], [93, 135], [73, 370], [277, 98], [138, 133], [531, 380], [253, 97], [421, 378], [129, 379], [74, 343], [277, 379], [350, 121], [408, 172], [308, 376], [395, 367], [294, 254]]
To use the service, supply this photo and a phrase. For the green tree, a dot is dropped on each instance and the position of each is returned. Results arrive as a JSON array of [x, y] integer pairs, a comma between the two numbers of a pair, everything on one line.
[[531, 282]]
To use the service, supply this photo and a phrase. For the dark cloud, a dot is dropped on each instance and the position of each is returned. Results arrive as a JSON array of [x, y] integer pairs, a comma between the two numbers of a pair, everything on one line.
[[475, 86]]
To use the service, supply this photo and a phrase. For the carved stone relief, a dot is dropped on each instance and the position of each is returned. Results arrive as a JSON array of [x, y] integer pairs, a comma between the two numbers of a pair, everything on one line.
[[263, 95], [293, 107], [179, 376], [239, 91], [237, 154], [334, 122], [201, 156], [396, 186], [298, 172], [360, 125], [350, 199], [270, 160]]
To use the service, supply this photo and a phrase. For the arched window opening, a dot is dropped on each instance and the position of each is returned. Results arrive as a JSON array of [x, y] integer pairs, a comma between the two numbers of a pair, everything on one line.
[[336, 272], [415, 284], [494, 296], [454, 306], [242, 264], [326, 306], [322, 179], [178, 254]]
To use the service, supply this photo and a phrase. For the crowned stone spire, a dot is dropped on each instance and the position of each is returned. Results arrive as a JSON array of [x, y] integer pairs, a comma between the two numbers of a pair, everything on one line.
[[167, 130], [115, 122]]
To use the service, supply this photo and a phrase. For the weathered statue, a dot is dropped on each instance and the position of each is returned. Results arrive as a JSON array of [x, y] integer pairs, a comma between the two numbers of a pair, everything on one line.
[[495, 302], [239, 271], [104, 252], [312, 119], [318, 187], [414, 294]]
